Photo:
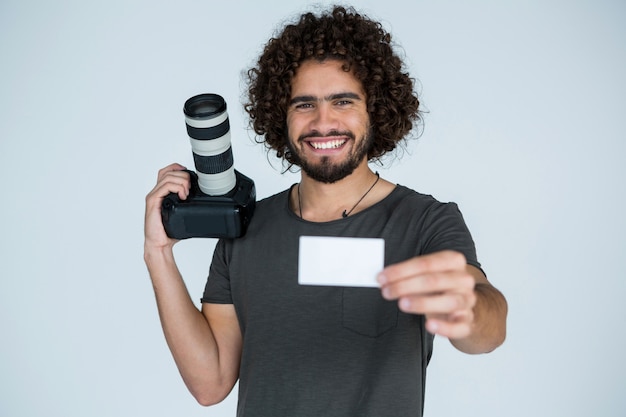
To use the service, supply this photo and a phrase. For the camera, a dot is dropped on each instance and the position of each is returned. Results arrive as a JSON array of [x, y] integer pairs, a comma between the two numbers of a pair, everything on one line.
[[221, 200]]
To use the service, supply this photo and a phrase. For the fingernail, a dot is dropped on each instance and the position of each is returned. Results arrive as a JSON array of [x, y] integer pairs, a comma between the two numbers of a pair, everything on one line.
[[382, 279], [432, 326]]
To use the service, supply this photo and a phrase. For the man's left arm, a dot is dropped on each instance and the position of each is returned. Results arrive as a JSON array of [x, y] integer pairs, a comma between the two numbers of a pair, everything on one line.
[[456, 298]]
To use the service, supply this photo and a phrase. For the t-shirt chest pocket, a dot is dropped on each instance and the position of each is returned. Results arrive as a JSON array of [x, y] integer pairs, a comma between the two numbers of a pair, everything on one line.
[[366, 312]]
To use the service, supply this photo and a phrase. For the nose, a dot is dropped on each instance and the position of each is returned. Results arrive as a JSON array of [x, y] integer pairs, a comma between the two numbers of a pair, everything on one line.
[[325, 119]]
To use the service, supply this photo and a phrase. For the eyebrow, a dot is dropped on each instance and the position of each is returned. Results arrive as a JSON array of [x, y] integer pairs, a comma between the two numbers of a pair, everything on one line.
[[331, 97]]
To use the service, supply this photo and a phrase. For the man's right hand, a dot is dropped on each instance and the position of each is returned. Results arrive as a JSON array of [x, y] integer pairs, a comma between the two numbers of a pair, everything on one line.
[[171, 179], [206, 344]]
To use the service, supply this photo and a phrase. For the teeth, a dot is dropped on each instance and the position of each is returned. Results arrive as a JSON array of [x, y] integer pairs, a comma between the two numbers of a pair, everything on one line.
[[331, 144]]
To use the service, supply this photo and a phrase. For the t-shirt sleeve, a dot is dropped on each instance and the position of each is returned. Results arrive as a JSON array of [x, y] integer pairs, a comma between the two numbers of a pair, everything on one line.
[[445, 229], [217, 288]]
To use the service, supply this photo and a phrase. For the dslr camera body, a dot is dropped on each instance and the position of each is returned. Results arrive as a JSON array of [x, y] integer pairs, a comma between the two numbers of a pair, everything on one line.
[[221, 200]]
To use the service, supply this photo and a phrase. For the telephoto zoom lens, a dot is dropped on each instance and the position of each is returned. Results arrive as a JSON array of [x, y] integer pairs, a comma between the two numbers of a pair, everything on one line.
[[209, 132]]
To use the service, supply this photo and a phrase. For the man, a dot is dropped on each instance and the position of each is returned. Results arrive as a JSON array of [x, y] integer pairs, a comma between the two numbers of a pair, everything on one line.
[[328, 95]]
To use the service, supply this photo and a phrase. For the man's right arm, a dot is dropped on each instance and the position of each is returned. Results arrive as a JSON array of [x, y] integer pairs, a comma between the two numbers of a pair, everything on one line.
[[206, 345]]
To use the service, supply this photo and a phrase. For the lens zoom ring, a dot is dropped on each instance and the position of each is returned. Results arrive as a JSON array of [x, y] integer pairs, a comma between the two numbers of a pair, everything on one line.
[[208, 133], [214, 164]]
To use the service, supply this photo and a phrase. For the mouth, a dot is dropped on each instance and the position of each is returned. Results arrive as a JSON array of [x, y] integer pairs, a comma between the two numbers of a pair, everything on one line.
[[327, 144]]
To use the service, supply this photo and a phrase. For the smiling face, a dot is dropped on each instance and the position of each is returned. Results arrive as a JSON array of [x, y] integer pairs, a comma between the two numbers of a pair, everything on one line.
[[327, 121]]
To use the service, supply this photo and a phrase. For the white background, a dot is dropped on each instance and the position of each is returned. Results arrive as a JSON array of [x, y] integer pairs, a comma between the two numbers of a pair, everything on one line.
[[524, 131]]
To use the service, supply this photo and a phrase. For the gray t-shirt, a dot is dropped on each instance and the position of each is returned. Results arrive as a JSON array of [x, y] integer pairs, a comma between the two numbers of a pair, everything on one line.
[[330, 351]]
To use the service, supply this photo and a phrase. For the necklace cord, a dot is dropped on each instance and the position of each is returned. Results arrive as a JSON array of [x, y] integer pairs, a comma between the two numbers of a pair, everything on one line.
[[345, 213]]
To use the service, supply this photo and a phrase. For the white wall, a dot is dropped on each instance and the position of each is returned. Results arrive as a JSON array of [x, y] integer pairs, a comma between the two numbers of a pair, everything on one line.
[[525, 132]]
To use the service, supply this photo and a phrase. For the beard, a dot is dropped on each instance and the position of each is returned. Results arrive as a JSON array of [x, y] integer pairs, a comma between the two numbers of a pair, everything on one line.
[[325, 170]]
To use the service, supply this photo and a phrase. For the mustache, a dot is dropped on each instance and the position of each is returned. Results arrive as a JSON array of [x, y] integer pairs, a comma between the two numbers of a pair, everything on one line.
[[317, 134]]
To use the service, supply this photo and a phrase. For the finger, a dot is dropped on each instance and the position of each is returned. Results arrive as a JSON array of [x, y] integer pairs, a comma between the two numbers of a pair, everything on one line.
[[446, 303], [170, 169], [457, 327], [156, 196], [457, 281], [439, 261], [176, 181], [449, 330]]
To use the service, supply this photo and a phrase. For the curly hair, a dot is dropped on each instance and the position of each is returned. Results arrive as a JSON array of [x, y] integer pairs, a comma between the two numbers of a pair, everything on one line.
[[364, 47]]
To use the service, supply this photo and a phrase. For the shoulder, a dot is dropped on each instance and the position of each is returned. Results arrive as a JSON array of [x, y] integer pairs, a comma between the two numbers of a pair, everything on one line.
[[278, 196], [272, 212], [404, 197], [272, 203], [422, 209]]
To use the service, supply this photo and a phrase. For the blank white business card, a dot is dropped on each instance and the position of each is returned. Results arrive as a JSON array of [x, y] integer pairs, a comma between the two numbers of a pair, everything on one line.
[[340, 261]]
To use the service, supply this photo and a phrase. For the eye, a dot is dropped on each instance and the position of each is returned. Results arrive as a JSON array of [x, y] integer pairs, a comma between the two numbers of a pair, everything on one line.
[[346, 102], [303, 106]]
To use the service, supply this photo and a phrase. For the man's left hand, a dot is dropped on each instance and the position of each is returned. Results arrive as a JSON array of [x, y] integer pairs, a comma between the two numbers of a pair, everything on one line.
[[440, 286]]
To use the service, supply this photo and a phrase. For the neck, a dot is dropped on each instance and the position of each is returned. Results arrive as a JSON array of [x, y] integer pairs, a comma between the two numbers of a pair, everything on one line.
[[319, 202]]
